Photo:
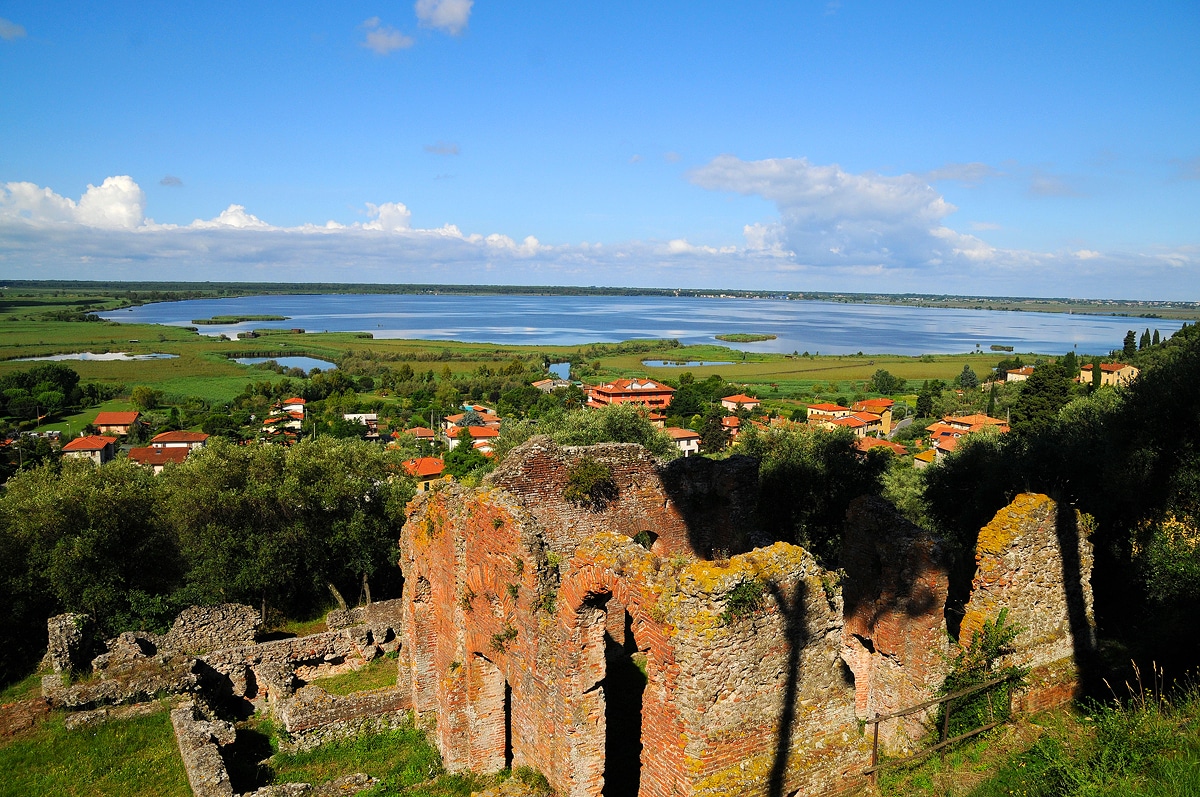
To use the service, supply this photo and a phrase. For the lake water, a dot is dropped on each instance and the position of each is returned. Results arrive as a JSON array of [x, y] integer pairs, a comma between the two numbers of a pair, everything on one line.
[[305, 364], [118, 356], [825, 327]]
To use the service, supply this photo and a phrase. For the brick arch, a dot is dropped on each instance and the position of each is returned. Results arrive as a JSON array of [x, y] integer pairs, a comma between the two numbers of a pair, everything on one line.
[[662, 729]]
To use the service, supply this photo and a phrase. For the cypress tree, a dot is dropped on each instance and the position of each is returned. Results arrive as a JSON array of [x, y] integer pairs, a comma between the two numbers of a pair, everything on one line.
[[1156, 340], [991, 407], [1130, 346], [1144, 342], [1095, 373]]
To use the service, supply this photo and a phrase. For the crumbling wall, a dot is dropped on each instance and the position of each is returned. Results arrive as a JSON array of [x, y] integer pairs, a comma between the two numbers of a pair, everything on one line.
[[199, 629], [507, 622], [200, 738], [312, 716], [693, 506], [71, 642], [895, 640], [1034, 559]]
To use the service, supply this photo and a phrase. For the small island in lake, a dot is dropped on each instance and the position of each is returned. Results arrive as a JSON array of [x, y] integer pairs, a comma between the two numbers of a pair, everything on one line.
[[744, 337], [237, 319]]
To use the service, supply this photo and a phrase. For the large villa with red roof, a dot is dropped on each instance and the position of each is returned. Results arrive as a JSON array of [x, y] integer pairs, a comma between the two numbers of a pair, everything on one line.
[[647, 392], [115, 422]]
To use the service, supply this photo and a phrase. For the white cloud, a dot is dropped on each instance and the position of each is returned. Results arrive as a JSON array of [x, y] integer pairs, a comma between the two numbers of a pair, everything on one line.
[[117, 203], [171, 181], [448, 15], [833, 217], [442, 148], [10, 30], [105, 235], [672, 157], [389, 217], [383, 39], [233, 217]]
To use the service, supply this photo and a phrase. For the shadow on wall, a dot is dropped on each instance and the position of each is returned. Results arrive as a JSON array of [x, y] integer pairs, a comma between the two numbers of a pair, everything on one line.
[[792, 609]]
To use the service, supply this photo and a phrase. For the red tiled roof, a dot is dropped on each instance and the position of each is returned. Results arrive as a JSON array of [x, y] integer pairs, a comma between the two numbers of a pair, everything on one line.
[[828, 408], [477, 432], [867, 443], [424, 467], [420, 432], [675, 433], [115, 418], [742, 398], [627, 385], [179, 437], [93, 442], [294, 400], [1024, 370], [731, 421], [1111, 368], [875, 405], [867, 417], [849, 421], [157, 456], [978, 419]]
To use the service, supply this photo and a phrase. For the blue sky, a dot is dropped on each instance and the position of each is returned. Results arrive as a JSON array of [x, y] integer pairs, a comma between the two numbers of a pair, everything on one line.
[[1020, 149]]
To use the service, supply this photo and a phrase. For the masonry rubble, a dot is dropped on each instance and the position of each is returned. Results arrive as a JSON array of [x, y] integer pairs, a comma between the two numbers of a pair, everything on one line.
[[524, 615], [519, 605]]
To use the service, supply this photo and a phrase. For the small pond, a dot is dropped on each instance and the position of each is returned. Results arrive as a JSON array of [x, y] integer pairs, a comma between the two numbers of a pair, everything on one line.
[[120, 356], [683, 363], [305, 364]]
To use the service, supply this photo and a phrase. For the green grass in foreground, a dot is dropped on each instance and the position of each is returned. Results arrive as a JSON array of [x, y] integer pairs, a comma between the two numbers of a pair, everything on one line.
[[376, 675], [1147, 748], [120, 758], [403, 760]]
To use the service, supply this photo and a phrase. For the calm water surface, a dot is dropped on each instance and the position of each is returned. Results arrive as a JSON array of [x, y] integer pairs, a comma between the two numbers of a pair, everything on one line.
[[825, 327]]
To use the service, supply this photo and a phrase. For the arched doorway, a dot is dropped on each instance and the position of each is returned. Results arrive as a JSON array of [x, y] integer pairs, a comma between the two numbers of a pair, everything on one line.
[[622, 684]]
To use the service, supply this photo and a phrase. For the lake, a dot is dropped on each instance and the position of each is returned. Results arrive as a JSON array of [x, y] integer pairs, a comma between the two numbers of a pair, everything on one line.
[[825, 327], [305, 364]]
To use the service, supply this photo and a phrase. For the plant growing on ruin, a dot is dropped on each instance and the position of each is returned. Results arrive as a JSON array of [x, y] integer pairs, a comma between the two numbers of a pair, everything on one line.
[[742, 601], [500, 641], [465, 600], [977, 663], [590, 484], [513, 590]]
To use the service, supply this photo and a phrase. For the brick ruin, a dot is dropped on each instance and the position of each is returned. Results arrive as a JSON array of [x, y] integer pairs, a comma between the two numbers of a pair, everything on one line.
[[657, 644], [700, 658]]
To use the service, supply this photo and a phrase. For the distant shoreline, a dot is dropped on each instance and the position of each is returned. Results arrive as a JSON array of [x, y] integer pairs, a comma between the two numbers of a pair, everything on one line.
[[144, 292]]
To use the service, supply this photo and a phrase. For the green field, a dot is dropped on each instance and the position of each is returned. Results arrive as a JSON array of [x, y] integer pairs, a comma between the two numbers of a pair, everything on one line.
[[203, 368]]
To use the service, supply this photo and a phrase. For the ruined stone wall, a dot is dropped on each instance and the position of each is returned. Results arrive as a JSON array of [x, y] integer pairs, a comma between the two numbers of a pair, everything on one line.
[[1034, 559], [199, 629], [730, 707], [694, 506], [895, 641]]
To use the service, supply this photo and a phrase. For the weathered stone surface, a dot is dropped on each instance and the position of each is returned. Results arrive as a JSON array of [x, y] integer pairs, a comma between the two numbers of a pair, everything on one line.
[[71, 642], [128, 679], [1035, 560], [22, 715], [199, 738], [347, 785], [199, 629], [693, 506], [312, 707], [894, 640], [515, 598]]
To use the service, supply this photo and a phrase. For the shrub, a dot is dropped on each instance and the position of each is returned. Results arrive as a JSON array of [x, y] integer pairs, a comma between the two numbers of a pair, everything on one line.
[[590, 484]]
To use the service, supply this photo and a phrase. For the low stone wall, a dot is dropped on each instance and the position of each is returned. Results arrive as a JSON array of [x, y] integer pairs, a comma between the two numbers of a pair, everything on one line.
[[200, 738], [199, 629], [125, 674], [313, 716]]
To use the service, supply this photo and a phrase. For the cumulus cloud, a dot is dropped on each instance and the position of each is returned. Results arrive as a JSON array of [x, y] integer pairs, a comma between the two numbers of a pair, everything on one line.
[[389, 217], [442, 148], [171, 181], [448, 15], [10, 30], [233, 217], [117, 203], [106, 235], [382, 39], [833, 217]]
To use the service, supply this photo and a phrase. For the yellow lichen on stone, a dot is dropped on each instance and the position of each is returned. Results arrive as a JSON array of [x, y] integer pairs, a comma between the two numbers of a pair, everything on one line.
[[997, 536]]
